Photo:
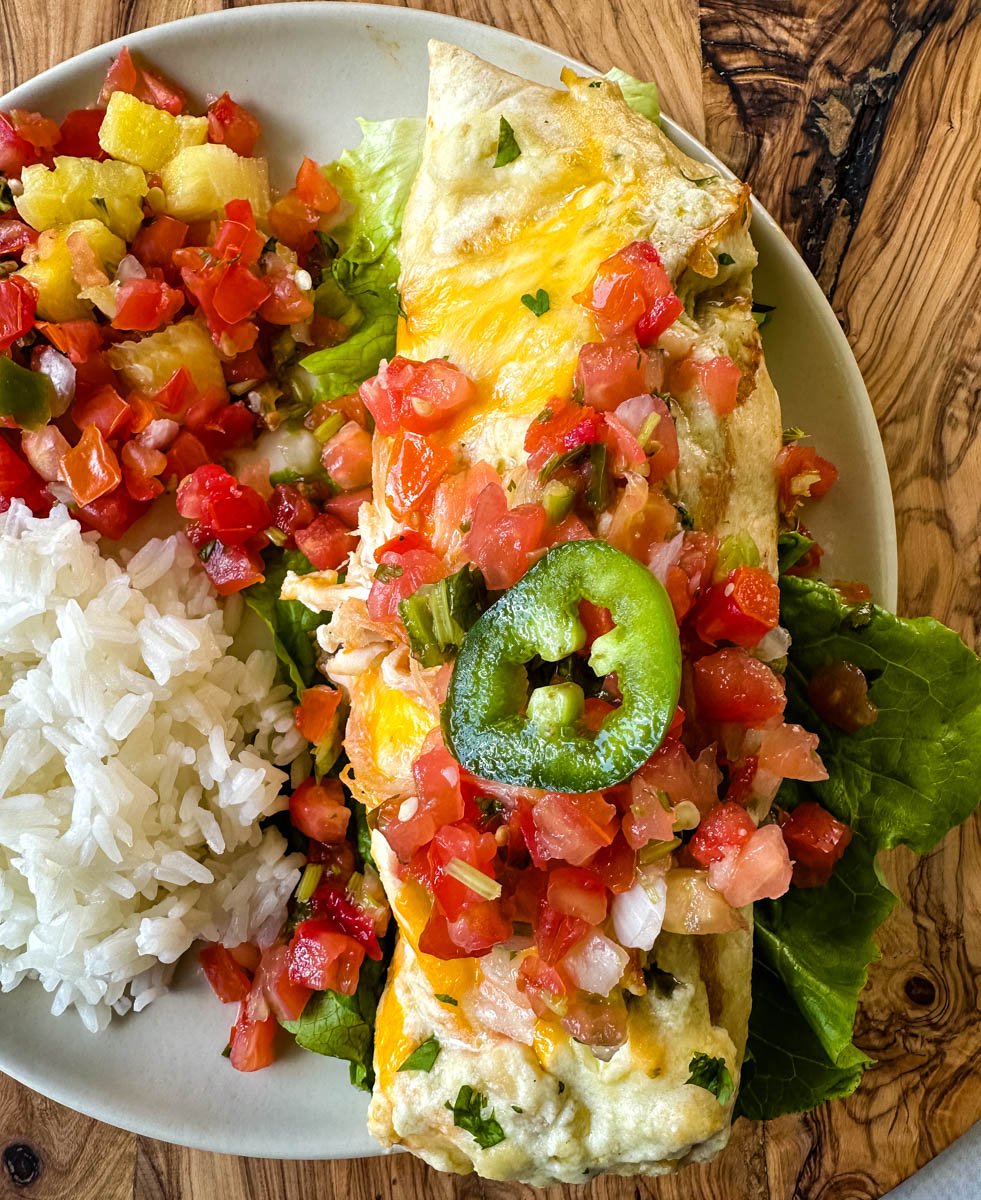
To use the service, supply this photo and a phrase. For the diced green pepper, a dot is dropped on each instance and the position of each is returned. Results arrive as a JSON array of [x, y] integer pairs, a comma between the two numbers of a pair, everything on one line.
[[488, 722], [25, 396]]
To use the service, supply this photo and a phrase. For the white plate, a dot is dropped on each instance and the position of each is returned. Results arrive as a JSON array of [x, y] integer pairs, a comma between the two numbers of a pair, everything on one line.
[[309, 70]]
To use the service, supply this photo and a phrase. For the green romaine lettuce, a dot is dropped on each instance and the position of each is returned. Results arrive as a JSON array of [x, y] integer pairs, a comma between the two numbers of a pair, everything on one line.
[[343, 1026], [374, 180], [291, 623], [908, 778], [642, 97]]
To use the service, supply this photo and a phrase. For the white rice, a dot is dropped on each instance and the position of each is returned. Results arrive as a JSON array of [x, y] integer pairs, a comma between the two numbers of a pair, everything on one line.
[[136, 759]]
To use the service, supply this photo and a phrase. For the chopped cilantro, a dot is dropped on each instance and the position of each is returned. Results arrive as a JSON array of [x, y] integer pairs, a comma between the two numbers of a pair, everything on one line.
[[207, 550], [700, 182], [6, 196], [515, 1107], [467, 1112], [726, 260], [761, 313], [445, 999], [538, 304], [507, 145], [423, 1057], [713, 1075]]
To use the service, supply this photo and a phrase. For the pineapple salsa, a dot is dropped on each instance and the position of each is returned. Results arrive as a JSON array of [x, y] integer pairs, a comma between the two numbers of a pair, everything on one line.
[[156, 304]]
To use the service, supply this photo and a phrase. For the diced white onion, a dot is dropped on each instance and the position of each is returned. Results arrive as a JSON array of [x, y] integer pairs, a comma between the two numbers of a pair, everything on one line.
[[61, 371], [773, 645], [663, 555], [159, 434], [638, 913], [408, 808], [596, 963], [44, 449], [130, 267]]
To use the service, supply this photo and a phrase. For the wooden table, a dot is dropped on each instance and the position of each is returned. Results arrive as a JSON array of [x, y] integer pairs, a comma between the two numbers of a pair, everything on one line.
[[856, 121]]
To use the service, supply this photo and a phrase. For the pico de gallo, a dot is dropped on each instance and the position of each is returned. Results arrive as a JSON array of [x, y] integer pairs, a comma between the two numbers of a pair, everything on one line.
[[613, 732], [155, 301]]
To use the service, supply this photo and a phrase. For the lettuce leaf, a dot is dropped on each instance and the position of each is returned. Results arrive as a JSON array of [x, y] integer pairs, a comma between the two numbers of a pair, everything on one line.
[[642, 97], [291, 623], [374, 180], [343, 1026], [908, 778]]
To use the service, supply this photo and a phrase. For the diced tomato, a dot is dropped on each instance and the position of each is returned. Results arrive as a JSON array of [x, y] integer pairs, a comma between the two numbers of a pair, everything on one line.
[[231, 125], [665, 309], [16, 152], [315, 189], [323, 958], [402, 543], [742, 608], [112, 514], [616, 865], [559, 429], [333, 902], [238, 293], [185, 455], [91, 468], [397, 577], [290, 509], [460, 842], [727, 826], [80, 340], [232, 568], [252, 1042], [245, 367], [628, 286], [228, 428], [477, 930], [347, 457], [247, 955], [229, 510], [570, 529], [347, 507], [839, 693], [326, 541], [229, 982], [316, 714], [417, 465], [790, 752], [596, 1020], [319, 811], [18, 303], [411, 824], [124, 76], [573, 827], [141, 465], [15, 234], [285, 998], [556, 932], [453, 505], [286, 304], [543, 985], [155, 244], [730, 685], [578, 892], [816, 841], [79, 134], [608, 373], [19, 480], [715, 380], [293, 222], [501, 541], [146, 304], [416, 396], [802, 474], [648, 817], [237, 240], [760, 869]]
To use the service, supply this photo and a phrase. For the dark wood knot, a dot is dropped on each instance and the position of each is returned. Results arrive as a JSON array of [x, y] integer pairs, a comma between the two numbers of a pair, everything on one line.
[[23, 1164], [920, 991]]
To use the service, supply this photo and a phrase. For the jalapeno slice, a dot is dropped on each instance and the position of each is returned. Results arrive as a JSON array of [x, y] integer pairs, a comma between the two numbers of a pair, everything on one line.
[[498, 732]]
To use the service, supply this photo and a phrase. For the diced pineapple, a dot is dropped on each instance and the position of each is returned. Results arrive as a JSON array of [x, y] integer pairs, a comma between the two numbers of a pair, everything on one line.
[[50, 270], [148, 364], [81, 189], [149, 137], [198, 182]]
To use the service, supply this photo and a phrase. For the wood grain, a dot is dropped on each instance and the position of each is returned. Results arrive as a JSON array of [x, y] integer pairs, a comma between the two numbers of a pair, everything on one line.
[[857, 125]]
